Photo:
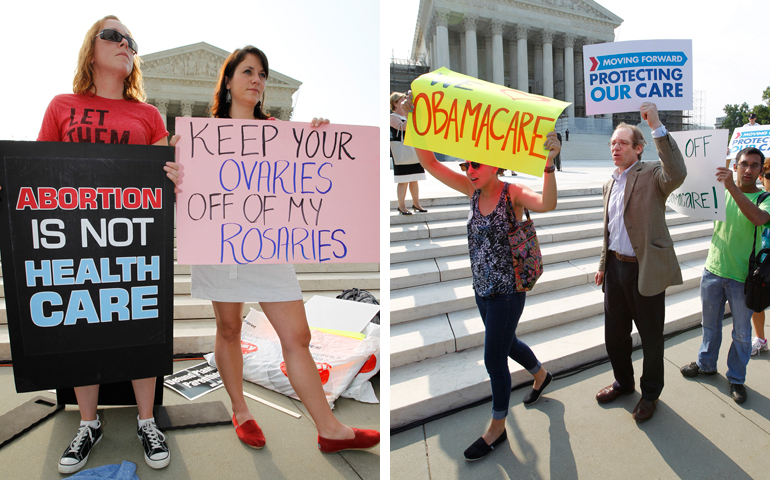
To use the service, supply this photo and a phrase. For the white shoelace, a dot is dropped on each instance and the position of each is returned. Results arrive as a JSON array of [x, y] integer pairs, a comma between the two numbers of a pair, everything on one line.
[[81, 435], [154, 435]]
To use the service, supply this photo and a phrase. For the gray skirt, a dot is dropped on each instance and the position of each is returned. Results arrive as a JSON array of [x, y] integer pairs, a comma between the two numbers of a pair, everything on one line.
[[246, 283]]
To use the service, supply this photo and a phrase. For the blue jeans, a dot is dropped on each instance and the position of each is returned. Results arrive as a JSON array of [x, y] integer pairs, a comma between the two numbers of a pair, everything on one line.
[[714, 291], [500, 314]]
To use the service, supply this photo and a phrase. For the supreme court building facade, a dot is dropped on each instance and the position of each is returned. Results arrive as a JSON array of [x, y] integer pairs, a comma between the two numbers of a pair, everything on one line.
[[180, 82], [535, 46]]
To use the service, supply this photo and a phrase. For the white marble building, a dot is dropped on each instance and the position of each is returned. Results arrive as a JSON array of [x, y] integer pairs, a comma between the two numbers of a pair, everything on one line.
[[531, 45], [181, 82]]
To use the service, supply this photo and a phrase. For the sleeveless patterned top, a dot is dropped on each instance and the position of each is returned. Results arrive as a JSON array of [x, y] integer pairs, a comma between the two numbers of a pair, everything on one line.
[[491, 260]]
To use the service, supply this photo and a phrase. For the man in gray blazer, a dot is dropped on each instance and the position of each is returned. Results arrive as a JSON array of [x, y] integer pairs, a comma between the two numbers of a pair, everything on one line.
[[638, 261]]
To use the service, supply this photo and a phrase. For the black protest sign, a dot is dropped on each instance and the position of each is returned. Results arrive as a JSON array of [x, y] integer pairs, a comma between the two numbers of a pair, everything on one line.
[[87, 249]]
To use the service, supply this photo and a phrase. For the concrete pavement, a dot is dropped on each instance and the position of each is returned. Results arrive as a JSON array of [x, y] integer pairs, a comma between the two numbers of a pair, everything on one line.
[[697, 432], [199, 453]]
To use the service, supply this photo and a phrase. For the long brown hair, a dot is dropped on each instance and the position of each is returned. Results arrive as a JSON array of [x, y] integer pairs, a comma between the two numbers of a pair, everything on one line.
[[220, 108], [133, 89]]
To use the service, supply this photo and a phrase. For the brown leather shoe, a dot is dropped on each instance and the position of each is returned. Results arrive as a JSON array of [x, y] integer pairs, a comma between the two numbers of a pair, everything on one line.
[[644, 410], [610, 394]]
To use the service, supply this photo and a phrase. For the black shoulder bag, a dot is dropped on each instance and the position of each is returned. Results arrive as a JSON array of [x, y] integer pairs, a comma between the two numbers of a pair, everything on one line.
[[757, 286]]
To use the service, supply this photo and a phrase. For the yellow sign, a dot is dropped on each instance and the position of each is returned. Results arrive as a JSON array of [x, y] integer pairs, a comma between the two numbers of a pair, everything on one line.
[[481, 122]]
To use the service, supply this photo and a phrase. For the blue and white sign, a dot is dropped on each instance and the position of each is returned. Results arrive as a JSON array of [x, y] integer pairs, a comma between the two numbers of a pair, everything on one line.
[[620, 76], [745, 137]]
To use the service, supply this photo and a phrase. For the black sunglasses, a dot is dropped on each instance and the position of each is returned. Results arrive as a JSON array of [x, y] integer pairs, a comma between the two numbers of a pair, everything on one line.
[[464, 166], [117, 37], [767, 176]]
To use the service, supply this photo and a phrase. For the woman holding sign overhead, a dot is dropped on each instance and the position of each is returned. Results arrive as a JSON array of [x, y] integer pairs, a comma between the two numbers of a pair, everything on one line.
[[107, 106], [497, 208], [239, 95]]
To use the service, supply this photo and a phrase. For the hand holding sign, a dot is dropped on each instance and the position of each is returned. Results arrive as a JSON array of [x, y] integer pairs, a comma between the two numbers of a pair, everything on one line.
[[650, 115]]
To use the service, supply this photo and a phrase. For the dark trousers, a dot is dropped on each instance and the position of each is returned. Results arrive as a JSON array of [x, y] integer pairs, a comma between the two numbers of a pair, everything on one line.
[[624, 304], [500, 314]]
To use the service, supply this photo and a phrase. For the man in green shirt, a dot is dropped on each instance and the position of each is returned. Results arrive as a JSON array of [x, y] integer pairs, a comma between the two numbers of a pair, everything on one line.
[[726, 269]]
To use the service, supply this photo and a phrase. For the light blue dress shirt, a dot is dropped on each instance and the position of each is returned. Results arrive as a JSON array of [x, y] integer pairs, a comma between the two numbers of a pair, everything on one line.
[[619, 241]]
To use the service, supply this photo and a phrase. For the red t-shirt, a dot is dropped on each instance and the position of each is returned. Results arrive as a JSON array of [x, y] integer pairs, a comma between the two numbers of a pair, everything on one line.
[[92, 119]]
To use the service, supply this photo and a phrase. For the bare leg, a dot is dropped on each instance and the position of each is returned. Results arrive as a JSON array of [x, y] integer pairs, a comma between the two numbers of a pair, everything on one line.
[[290, 323], [144, 391], [229, 357], [539, 378], [758, 318], [88, 400], [496, 427], [401, 194], [414, 190], [494, 431]]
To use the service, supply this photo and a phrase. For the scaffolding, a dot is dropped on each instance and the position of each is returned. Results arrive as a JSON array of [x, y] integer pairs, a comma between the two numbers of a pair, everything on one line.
[[403, 72]]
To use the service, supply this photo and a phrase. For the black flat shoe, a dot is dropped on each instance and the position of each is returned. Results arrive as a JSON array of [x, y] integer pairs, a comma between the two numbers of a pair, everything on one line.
[[401, 212], [534, 395], [480, 449], [421, 210]]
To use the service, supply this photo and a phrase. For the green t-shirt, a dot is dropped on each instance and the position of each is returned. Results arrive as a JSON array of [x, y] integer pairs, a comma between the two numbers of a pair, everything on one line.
[[731, 242]]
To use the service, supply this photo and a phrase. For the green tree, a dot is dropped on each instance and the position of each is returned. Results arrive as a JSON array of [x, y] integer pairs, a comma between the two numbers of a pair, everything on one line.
[[738, 115]]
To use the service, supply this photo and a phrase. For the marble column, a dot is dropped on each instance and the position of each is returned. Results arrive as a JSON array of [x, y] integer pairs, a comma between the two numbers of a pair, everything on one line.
[[186, 107], [471, 48], [522, 31], [513, 64], [547, 37], [488, 58], [442, 38], [569, 73], [463, 57], [498, 64], [538, 66], [162, 104]]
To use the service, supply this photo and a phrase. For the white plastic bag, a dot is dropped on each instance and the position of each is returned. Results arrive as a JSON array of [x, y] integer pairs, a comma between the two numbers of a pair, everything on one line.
[[339, 359]]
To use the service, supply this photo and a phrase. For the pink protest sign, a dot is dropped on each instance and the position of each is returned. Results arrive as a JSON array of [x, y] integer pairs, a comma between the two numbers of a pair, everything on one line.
[[259, 191]]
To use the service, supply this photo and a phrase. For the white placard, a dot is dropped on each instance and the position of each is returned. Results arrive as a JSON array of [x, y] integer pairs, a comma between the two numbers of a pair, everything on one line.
[[701, 195], [336, 314], [620, 76]]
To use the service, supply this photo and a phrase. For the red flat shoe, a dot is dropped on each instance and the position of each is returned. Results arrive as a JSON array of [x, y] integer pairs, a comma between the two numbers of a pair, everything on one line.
[[363, 440], [250, 433]]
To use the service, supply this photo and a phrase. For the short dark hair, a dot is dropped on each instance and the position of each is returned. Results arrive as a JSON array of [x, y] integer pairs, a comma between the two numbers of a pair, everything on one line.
[[750, 151], [220, 108]]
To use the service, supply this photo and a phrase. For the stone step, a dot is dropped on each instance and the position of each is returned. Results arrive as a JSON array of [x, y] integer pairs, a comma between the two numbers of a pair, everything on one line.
[[421, 389], [187, 307], [422, 272], [445, 333], [454, 295], [451, 197], [563, 249]]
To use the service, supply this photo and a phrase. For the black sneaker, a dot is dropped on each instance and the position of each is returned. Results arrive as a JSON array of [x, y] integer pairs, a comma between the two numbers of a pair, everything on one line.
[[693, 370], [156, 452], [76, 454], [738, 392]]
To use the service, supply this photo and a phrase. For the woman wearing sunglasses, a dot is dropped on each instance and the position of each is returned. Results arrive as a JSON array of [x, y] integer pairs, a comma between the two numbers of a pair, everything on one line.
[[499, 304], [240, 95], [108, 88]]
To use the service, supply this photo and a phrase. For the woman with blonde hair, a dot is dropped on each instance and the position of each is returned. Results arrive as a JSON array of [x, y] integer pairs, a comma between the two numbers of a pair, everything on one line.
[[108, 84], [405, 175], [240, 95]]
